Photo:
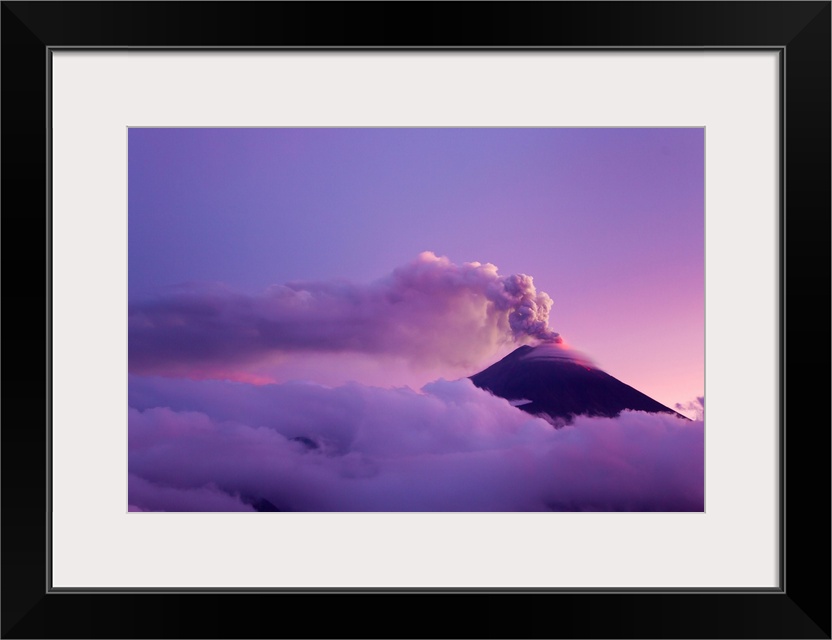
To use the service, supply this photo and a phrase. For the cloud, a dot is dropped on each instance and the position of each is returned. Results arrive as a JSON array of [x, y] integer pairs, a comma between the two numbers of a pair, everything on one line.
[[218, 446], [164, 498], [694, 408], [429, 311]]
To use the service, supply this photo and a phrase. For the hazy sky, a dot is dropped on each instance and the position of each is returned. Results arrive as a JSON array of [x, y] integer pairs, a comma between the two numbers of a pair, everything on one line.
[[608, 222]]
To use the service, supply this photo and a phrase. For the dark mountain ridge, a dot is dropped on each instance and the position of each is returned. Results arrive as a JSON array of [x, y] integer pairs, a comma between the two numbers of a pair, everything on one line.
[[547, 381]]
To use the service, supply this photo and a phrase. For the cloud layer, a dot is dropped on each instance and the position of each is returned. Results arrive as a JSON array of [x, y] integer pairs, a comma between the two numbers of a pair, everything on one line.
[[428, 311], [220, 446]]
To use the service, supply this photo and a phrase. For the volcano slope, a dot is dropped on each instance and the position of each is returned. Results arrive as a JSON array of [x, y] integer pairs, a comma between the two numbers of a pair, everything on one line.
[[549, 381]]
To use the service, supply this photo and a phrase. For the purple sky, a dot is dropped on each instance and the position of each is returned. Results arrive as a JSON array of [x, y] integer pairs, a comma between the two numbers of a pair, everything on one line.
[[608, 222]]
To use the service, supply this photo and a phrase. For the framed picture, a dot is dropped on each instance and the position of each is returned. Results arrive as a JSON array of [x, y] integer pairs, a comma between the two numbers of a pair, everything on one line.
[[673, 156]]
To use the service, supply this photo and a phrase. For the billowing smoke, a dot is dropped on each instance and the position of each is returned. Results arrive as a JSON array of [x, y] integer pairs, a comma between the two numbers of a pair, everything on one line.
[[428, 311], [224, 446], [530, 314]]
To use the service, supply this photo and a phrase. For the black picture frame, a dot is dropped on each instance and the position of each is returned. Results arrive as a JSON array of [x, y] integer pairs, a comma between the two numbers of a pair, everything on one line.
[[799, 608]]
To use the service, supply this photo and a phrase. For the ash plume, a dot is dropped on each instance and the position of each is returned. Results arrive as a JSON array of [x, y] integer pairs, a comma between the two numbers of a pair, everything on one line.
[[430, 310]]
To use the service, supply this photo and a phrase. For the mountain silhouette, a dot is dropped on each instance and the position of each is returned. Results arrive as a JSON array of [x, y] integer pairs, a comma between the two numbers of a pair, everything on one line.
[[549, 381]]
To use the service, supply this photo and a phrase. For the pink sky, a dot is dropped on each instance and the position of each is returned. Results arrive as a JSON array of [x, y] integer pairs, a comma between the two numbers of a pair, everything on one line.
[[608, 222]]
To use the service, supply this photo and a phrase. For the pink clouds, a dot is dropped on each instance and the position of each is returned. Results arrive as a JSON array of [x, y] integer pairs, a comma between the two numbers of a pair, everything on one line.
[[218, 446], [166, 498], [430, 312], [694, 408]]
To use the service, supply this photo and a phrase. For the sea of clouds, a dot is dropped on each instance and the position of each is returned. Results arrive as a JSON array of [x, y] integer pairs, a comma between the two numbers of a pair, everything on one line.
[[220, 446]]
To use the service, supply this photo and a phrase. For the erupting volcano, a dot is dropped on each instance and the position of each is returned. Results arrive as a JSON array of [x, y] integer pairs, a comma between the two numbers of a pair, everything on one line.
[[554, 382]]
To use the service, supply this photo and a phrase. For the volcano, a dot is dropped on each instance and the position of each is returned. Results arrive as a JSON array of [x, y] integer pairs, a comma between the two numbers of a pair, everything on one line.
[[550, 381]]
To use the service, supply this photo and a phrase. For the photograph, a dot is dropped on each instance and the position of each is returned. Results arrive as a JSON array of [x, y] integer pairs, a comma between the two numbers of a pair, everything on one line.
[[416, 319]]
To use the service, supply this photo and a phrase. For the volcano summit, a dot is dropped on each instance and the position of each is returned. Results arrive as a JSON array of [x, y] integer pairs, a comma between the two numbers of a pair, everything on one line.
[[554, 382]]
